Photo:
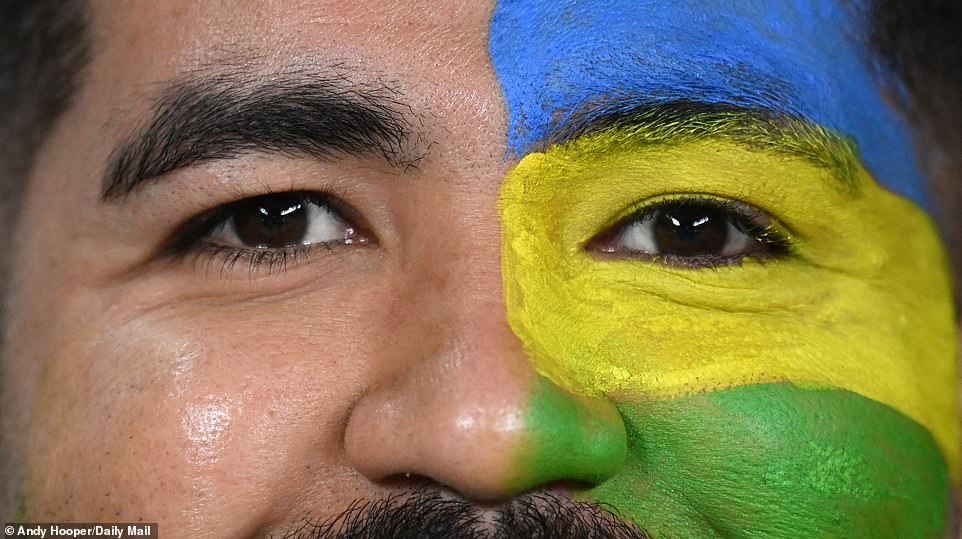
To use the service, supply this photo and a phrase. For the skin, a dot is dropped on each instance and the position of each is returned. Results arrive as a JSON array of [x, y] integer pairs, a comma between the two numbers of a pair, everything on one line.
[[219, 390], [230, 403]]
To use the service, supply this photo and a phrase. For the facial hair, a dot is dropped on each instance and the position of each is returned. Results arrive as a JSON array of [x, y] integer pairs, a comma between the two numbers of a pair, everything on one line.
[[431, 515]]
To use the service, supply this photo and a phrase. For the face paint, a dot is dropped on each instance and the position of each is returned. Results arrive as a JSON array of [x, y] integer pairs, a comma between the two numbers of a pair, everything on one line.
[[571, 436], [555, 59], [857, 276], [773, 460], [822, 346], [809, 395]]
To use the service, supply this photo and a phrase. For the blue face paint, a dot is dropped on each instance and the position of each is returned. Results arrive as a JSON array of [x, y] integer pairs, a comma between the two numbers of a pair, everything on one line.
[[805, 58]]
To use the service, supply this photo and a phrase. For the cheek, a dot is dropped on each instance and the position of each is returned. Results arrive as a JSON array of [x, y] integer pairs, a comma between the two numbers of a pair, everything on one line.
[[191, 418], [116, 426], [774, 460]]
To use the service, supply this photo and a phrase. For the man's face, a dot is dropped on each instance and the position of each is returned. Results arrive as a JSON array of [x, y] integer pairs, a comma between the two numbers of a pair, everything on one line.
[[279, 257]]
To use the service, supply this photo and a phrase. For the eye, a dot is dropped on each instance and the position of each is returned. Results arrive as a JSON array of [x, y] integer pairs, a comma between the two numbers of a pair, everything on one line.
[[693, 232], [271, 230], [283, 220]]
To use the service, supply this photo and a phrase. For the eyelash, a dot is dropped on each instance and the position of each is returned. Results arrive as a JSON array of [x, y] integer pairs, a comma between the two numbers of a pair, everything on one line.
[[272, 261], [781, 243], [189, 240]]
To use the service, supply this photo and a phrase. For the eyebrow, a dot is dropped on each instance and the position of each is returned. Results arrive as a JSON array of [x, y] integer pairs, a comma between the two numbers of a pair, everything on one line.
[[201, 117], [680, 121]]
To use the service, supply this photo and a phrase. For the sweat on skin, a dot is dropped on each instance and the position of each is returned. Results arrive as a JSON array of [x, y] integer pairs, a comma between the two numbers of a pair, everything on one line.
[[811, 394]]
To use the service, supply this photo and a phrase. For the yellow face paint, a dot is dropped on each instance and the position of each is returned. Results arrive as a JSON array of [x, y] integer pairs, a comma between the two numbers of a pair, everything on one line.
[[862, 303]]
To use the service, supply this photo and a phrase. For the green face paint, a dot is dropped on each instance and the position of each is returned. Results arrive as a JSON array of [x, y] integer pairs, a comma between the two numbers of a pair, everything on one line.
[[774, 460], [581, 439]]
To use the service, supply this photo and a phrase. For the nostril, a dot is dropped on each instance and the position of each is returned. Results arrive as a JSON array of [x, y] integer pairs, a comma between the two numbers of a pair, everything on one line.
[[409, 481], [566, 486]]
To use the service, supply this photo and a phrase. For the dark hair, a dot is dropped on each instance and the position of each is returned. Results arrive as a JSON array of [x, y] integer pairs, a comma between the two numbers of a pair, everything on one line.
[[44, 46], [43, 49]]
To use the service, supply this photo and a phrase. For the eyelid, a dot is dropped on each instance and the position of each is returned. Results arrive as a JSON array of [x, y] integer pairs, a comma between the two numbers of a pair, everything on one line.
[[638, 208], [191, 233], [763, 228], [194, 229]]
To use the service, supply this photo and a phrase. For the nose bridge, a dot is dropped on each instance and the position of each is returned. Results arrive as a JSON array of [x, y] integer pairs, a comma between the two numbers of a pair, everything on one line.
[[456, 288]]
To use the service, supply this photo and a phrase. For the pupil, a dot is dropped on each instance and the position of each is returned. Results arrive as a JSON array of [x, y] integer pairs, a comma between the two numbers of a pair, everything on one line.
[[690, 230], [272, 221]]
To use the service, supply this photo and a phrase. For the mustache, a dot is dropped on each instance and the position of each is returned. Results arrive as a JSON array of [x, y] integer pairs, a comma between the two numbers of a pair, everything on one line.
[[431, 515]]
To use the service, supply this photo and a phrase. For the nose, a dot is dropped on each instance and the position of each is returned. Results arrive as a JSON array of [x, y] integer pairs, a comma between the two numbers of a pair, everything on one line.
[[465, 409]]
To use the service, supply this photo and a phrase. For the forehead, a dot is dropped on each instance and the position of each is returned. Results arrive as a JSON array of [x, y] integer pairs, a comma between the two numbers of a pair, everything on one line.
[[804, 59], [431, 58], [414, 43]]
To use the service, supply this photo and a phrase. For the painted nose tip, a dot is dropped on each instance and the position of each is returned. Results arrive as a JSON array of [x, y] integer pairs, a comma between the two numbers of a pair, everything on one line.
[[571, 438]]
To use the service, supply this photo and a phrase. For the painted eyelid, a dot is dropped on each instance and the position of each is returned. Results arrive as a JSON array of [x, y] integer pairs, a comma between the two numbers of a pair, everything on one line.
[[640, 211], [635, 208]]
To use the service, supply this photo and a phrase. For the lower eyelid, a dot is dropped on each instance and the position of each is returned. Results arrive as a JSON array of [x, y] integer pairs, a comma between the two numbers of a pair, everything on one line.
[[228, 258], [222, 261]]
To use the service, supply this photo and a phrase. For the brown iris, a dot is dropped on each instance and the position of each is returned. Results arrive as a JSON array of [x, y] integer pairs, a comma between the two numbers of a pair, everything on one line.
[[690, 230], [693, 232], [272, 221]]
